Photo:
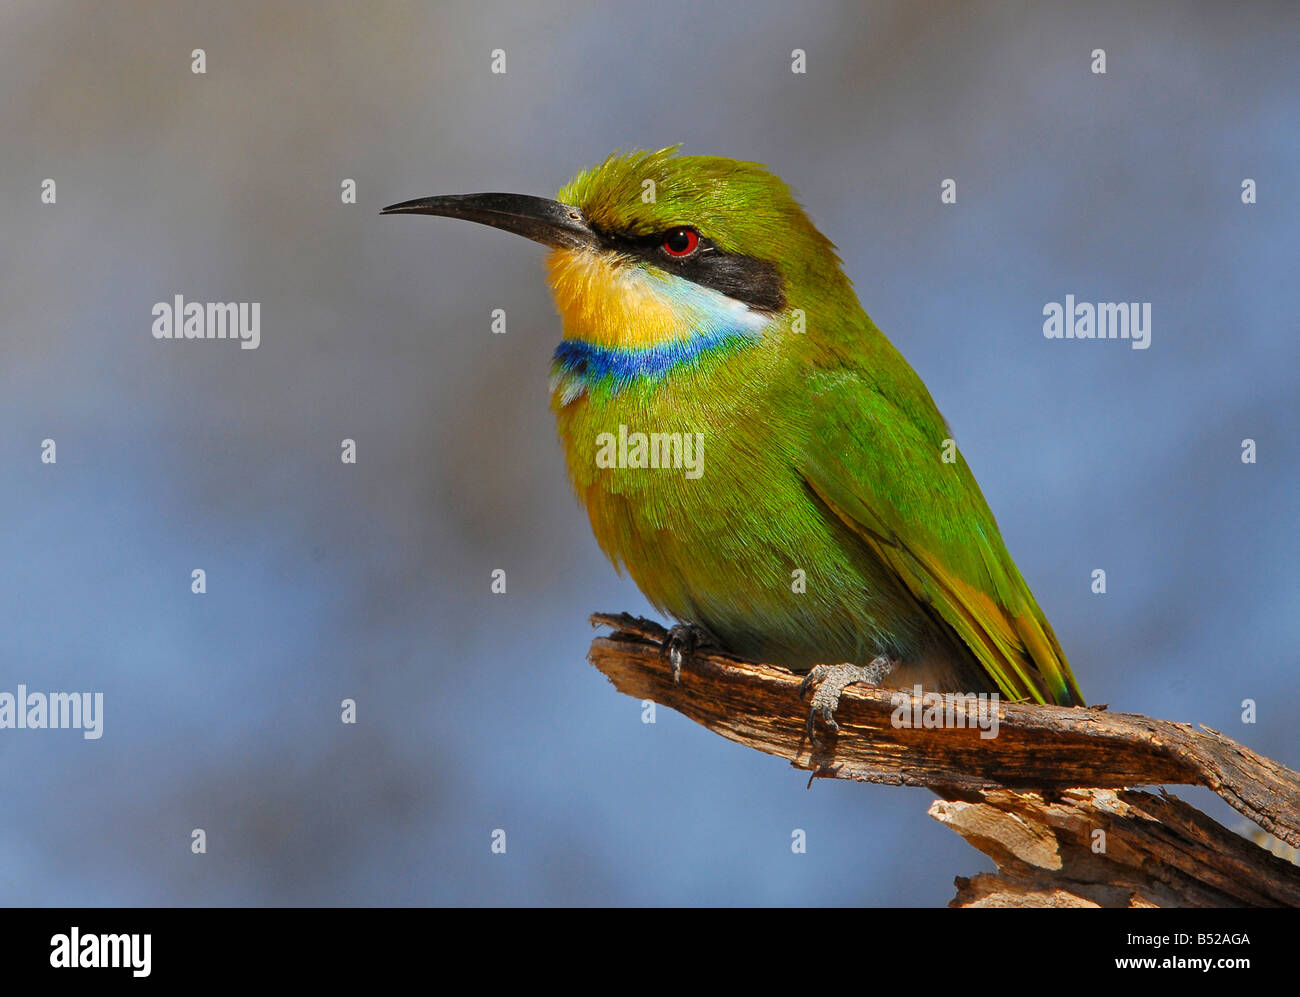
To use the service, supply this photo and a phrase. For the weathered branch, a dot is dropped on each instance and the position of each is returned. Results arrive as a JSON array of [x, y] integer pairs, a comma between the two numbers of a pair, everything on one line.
[[1033, 798]]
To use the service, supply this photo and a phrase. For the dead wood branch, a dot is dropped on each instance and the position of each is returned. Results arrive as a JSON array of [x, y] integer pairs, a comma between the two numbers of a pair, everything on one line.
[[1034, 798]]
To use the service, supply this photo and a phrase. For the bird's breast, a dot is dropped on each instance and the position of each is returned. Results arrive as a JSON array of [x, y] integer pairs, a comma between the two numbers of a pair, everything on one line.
[[693, 485]]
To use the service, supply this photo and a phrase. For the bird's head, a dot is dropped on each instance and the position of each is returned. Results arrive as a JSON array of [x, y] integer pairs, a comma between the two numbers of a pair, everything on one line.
[[654, 248]]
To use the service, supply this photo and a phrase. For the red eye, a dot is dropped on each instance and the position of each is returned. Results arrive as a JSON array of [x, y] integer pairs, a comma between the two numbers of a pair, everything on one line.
[[681, 241]]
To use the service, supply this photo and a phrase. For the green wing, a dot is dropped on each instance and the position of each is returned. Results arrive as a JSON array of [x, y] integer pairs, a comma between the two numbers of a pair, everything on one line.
[[876, 459]]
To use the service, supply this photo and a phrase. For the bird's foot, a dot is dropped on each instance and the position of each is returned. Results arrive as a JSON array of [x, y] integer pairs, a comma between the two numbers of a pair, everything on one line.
[[831, 680], [683, 640]]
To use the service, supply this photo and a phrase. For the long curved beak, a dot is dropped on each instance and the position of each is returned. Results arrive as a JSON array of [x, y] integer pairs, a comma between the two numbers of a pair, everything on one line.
[[541, 219]]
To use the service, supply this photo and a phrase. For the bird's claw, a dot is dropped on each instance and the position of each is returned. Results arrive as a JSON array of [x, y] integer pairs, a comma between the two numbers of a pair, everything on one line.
[[683, 640], [829, 681]]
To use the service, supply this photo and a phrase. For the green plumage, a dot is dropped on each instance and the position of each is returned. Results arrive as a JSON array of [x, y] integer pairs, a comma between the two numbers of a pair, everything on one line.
[[823, 453], [833, 520]]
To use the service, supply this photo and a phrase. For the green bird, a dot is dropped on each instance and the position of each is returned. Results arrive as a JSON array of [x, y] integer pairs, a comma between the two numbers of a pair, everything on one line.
[[753, 451]]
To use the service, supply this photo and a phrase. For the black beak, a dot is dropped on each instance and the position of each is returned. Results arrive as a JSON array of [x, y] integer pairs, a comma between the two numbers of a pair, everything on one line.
[[541, 219]]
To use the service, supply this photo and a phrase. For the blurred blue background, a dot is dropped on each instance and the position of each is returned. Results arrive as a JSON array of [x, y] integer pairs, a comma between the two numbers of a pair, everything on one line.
[[328, 581]]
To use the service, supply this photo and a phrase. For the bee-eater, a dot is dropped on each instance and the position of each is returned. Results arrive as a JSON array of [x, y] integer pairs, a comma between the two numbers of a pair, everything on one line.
[[826, 521]]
